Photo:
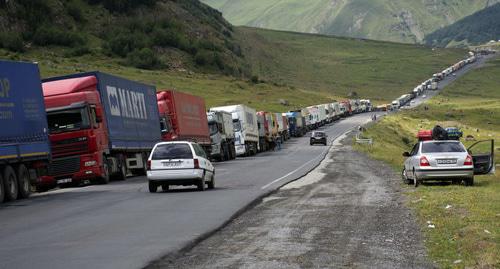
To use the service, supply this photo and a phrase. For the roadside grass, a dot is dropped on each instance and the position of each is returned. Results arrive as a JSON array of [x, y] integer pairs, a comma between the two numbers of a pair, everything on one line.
[[467, 233]]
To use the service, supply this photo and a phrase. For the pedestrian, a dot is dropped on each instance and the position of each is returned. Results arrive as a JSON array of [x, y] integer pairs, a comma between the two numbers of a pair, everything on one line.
[[278, 143]]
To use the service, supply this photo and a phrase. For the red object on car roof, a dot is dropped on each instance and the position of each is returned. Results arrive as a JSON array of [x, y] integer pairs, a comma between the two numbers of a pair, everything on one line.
[[424, 135]]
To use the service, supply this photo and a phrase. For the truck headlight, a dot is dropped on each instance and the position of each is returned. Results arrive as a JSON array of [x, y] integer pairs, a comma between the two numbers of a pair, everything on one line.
[[90, 163]]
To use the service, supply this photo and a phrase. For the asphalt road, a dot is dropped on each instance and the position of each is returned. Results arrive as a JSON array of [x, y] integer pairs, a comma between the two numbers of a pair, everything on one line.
[[346, 213], [122, 225]]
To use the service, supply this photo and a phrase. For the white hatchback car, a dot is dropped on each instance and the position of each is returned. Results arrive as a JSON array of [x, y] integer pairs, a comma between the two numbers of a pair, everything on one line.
[[179, 163]]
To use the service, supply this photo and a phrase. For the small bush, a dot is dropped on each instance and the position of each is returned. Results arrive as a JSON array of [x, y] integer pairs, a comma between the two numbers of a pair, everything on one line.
[[406, 140], [75, 11], [203, 57], [12, 41], [78, 51], [144, 58], [49, 35], [254, 79]]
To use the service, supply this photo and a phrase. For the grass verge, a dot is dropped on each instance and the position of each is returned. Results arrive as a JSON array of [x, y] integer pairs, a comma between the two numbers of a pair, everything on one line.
[[466, 219]]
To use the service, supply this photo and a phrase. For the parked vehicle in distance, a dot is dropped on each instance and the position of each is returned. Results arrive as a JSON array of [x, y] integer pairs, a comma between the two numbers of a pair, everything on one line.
[[296, 123], [179, 163], [318, 137], [220, 124], [24, 138], [100, 126], [245, 128], [448, 160], [183, 118]]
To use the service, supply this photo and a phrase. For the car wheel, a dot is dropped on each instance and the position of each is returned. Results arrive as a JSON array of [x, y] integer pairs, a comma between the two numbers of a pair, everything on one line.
[[165, 187], [23, 181], [10, 183], [469, 181], [404, 175], [211, 183], [201, 182], [152, 187], [416, 181]]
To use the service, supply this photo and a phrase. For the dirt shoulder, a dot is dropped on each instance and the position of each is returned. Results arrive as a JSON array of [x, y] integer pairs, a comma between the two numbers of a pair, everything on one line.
[[349, 212]]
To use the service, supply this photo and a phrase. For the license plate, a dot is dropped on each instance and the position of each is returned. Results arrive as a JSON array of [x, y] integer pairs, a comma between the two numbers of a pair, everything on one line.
[[447, 161], [64, 180], [171, 164]]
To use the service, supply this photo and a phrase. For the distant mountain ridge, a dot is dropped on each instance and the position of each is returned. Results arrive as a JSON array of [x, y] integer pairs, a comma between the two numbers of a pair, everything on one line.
[[475, 29], [406, 21]]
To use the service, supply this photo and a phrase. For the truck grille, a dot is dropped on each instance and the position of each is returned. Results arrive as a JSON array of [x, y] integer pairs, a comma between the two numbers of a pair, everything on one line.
[[69, 147], [65, 166]]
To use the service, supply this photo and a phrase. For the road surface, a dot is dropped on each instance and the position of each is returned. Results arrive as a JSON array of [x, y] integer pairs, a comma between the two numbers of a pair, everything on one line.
[[122, 225]]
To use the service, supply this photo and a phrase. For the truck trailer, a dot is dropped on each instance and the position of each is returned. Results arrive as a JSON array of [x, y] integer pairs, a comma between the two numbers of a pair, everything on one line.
[[24, 137], [220, 124], [183, 118], [246, 129], [296, 123], [100, 126]]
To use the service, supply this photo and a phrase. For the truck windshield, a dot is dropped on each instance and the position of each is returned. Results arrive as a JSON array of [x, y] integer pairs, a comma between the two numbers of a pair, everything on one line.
[[213, 128], [237, 125], [68, 120]]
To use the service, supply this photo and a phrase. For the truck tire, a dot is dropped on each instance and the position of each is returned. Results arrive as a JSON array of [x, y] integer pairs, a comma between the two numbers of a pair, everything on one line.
[[105, 177], [2, 188], [165, 187], [10, 183], [23, 181], [233, 152], [122, 173]]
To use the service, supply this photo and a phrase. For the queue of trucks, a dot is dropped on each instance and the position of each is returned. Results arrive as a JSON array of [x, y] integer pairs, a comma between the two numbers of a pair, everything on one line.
[[93, 127], [430, 84]]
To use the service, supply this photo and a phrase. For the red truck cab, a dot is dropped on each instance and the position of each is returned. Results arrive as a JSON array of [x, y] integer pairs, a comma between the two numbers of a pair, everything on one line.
[[77, 132]]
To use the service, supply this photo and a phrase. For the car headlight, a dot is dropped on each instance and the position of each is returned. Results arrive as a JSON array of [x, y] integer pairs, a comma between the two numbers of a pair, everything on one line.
[[90, 163]]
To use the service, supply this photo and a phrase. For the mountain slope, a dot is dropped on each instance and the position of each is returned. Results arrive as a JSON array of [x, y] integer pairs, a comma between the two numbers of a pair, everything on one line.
[[151, 34], [476, 29], [401, 21]]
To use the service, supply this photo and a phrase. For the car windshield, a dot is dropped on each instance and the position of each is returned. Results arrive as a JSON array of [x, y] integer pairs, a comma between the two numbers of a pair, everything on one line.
[[68, 120], [319, 135], [172, 151], [213, 128], [237, 125], [436, 147]]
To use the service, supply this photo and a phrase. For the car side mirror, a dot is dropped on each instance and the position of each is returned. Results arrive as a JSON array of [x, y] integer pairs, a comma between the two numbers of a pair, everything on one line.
[[406, 154]]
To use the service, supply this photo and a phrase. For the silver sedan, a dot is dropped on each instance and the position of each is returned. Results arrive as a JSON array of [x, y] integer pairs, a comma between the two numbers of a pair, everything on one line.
[[445, 160]]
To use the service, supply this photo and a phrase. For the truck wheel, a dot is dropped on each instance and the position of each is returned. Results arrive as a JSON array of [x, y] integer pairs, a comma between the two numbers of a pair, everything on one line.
[[105, 177], [233, 152], [2, 188], [122, 174], [10, 183], [23, 181], [152, 186]]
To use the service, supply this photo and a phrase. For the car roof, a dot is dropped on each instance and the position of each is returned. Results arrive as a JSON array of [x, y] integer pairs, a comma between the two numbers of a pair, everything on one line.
[[174, 142]]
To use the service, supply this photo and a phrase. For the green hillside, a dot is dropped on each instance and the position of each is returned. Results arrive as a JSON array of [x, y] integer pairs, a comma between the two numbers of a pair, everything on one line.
[[150, 34], [401, 21], [377, 70], [188, 46], [476, 29]]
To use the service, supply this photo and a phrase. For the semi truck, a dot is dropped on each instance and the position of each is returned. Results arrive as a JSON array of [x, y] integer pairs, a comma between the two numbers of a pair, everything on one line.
[[220, 125], [183, 118], [100, 126], [263, 131], [296, 123], [24, 137], [246, 129]]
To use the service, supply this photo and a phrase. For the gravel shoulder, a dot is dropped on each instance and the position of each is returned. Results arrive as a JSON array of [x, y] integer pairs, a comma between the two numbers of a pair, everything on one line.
[[348, 212]]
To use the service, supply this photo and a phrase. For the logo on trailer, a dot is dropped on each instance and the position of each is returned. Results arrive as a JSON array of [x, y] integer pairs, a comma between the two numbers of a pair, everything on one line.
[[126, 103], [113, 101]]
